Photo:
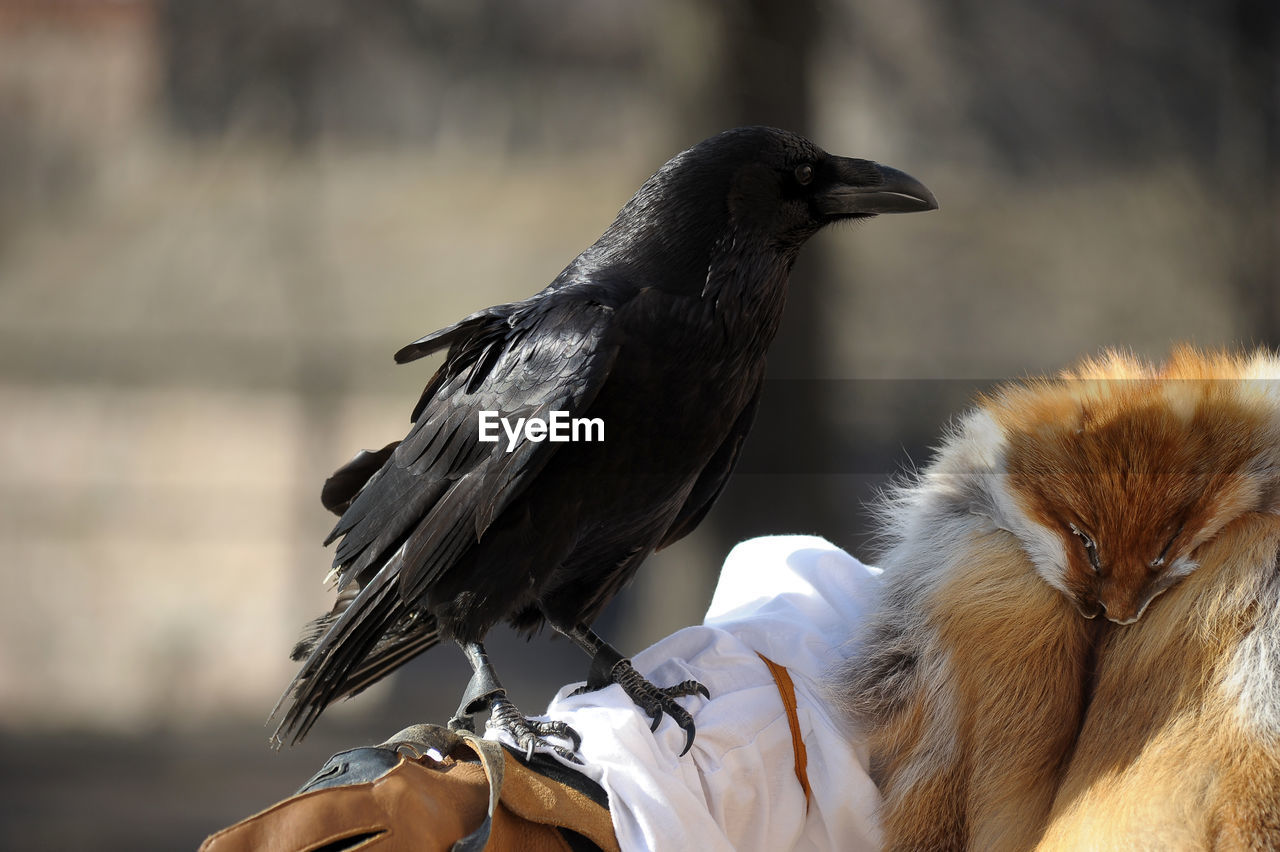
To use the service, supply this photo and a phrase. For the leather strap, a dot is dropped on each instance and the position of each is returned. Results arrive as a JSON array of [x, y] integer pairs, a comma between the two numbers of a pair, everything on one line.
[[444, 793], [787, 689], [493, 760]]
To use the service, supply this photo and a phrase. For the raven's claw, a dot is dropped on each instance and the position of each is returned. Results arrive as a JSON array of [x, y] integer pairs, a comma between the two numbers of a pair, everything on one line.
[[531, 733], [655, 700]]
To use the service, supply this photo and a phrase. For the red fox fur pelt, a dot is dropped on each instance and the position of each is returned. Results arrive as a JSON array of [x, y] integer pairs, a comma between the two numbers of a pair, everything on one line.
[[1078, 641]]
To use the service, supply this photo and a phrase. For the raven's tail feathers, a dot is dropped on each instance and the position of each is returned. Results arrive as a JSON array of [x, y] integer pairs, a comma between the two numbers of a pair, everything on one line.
[[362, 639]]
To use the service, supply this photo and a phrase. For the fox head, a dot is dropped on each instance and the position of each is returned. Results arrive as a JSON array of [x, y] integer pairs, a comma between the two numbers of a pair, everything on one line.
[[1112, 475]]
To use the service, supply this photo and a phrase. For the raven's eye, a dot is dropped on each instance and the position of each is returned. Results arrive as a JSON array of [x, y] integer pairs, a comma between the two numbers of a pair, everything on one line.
[[804, 174], [1090, 548]]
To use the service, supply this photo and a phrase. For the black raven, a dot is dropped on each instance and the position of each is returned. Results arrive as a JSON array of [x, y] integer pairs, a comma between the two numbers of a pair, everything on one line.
[[658, 331]]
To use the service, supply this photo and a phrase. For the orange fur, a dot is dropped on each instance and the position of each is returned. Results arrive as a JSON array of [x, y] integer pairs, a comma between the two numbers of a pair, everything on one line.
[[1000, 718]]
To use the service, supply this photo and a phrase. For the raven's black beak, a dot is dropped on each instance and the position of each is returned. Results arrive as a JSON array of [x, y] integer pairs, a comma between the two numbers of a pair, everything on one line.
[[863, 188]]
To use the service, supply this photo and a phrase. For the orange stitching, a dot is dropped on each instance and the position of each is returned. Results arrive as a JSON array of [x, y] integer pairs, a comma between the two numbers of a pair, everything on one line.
[[787, 689]]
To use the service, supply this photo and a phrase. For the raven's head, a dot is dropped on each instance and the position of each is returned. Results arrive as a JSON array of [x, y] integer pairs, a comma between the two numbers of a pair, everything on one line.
[[769, 187], [781, 183]]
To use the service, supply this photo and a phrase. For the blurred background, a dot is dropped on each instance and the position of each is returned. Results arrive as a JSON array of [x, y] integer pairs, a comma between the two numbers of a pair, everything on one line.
[[219, 218]]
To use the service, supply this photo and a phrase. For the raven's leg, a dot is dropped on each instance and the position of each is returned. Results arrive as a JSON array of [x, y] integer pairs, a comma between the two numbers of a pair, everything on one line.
[[483, 688], [485, 692], [608, 666]]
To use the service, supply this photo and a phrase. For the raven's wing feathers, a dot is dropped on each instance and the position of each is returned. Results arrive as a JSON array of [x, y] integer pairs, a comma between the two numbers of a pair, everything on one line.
[[440, 488], [459, 331], [552, 354], [714, 475], [557, 361], [345, 483]]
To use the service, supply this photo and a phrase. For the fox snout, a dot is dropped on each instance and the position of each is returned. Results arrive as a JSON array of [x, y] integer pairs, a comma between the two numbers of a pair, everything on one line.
[[1125, 613], [1119, 605], [1088, 606], [1117, 612]]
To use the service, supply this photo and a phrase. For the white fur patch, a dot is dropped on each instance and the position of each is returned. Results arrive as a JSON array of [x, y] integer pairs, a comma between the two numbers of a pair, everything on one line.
[[1253, 679], [983, 441]]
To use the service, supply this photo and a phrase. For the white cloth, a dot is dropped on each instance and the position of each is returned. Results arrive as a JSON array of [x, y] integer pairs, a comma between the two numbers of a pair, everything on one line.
[[794, 599]]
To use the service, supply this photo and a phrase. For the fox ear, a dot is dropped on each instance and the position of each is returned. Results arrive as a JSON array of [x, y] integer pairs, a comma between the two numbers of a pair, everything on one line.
[[976, 450], [965, 477], [987, 496], [974, 457]]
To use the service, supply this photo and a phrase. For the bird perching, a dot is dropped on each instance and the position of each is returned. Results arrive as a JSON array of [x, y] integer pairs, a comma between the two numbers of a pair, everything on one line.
[[658, 331]]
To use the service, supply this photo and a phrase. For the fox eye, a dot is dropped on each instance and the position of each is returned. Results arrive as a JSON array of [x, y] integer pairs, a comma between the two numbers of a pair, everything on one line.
[[1159, 561], [1089, 547]]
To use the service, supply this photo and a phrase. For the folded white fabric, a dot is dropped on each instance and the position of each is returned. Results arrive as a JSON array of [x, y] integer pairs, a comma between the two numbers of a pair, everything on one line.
[[796, 600]]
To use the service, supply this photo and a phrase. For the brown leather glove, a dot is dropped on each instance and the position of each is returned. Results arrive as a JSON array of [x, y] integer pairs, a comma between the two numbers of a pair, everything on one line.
[[428, 788]]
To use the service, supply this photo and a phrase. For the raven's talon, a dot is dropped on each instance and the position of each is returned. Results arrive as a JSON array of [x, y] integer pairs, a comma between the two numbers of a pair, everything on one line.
[[687, 688], [684, 720], [656, 700], [529, 734]]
